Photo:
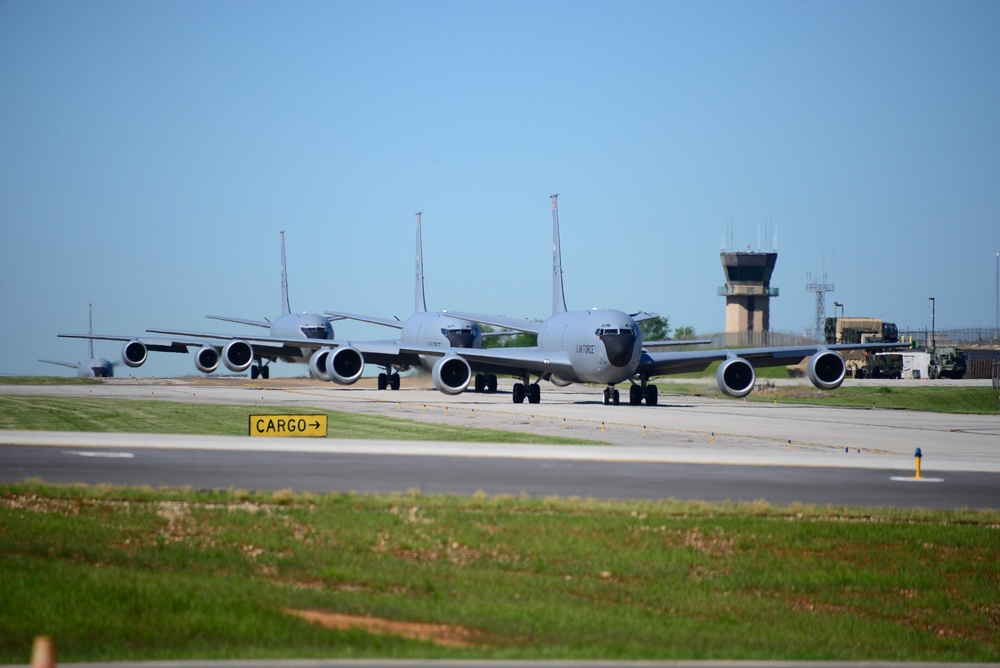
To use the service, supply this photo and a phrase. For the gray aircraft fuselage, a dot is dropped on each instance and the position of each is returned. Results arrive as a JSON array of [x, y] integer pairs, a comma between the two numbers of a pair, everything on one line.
[[439, 330], [603, 345], [299, 326]]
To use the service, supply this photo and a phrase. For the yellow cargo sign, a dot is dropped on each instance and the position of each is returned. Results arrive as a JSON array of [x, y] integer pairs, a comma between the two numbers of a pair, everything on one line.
[[288, 425]]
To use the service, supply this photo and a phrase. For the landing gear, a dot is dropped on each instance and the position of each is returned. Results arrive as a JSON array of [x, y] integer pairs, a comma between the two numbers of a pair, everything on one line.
[[260, 370], [652, 396], [611, 396], [527, 389], [486, 382], [388, 380], [637, 393]]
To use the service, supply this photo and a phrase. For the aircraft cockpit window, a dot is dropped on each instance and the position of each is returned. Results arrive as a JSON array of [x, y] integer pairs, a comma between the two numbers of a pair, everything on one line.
[[448, 331], [611, 331], [315, 331]]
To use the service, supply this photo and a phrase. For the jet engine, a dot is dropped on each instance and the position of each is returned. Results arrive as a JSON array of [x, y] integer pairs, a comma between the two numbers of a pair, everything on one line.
[[134, 353], [317, 364], [827, 370], [344, 365], [206, 359], [451, 374], [237, 356], [735, 377]]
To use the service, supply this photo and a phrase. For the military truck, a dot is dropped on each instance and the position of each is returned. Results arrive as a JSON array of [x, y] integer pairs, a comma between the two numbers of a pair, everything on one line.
[[863, 363], [946, 362]]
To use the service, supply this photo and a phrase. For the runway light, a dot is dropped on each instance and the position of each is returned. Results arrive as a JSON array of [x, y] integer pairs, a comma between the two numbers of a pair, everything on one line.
[[602, 426], [713, 438], [918, 456], [789, 444]]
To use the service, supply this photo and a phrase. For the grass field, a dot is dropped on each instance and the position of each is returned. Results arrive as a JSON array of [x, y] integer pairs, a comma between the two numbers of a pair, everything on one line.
[[940, 399], [143, 574], [168, 417]]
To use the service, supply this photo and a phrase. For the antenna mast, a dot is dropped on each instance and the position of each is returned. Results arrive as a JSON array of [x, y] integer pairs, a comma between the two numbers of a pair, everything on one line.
[[820, 287]]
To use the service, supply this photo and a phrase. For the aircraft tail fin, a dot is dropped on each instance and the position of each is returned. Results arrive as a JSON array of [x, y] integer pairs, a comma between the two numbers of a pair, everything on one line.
[[90, 327], [285, 307], [421, 301], [558, 294]]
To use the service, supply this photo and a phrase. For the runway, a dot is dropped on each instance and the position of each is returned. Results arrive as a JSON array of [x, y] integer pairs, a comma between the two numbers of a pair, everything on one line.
[[781, 454]]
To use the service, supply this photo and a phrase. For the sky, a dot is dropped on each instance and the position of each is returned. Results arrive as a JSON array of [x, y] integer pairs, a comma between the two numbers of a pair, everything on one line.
[[150, 153]]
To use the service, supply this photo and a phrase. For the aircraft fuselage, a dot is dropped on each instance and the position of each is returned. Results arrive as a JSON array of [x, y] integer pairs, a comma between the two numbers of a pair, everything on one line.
[[439, 330], [603, 345]]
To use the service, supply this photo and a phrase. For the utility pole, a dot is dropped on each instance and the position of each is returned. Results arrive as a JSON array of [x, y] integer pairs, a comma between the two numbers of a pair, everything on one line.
[[933, 343], [996, 317]]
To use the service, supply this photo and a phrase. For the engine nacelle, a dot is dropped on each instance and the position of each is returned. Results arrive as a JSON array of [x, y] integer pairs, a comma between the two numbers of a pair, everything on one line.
[[317, 364], [559, 382], [451, 374], [134, 354], [827, 370], [344, 365], [237, 356], [735, 377], [206, 359]]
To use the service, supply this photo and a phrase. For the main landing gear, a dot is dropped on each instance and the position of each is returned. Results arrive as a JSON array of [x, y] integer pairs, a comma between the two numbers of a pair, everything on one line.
[[260, 370], [527, 389], [637, 393], [389, 379], [486, 382]]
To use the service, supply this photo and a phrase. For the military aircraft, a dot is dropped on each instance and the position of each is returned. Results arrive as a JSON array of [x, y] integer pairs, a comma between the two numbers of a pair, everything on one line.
[[604, 346], [427, 328], [95, 367], [239, 353]]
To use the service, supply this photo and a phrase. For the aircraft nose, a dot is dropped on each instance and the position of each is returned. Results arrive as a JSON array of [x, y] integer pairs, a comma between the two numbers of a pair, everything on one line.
[[463, 339], [619, 346]]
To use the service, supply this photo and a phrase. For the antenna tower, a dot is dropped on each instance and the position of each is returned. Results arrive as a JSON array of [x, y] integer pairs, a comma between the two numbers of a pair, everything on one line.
[[820, 287]]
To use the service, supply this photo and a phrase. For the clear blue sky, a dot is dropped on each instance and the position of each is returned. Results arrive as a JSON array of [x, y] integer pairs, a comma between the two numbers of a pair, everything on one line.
[[151, 151]]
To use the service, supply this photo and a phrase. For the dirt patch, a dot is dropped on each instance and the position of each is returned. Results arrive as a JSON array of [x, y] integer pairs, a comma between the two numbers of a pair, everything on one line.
[[439, 634]]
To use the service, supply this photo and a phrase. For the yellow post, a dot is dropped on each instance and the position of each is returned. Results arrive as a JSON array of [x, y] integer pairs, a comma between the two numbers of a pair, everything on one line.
[[789, 444], [918, 455], [564, 423], [602, 426], [713, 438], [532, 419], [445, 410], [643, 430], [473, 412]]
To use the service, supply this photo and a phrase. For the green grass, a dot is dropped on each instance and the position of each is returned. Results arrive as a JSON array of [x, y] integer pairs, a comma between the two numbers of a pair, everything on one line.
[[979, 400], [48, 380], [169, 417], [141, 574], [941, 399]]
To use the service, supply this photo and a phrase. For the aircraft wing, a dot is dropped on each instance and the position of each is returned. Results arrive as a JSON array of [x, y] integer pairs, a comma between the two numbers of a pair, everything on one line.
[[240, 321], [154, 343], [510, 360], [373, 319], [675, 342], [666, 363], [71, 365], [254, 323], [517, 324]]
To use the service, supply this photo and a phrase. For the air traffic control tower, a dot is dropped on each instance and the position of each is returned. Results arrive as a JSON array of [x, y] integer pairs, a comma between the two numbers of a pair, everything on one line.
[[748, 295]]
